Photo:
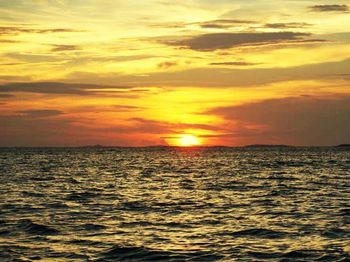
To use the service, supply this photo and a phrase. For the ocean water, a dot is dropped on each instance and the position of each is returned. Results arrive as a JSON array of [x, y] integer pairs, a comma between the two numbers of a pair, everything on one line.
[[172, 204]]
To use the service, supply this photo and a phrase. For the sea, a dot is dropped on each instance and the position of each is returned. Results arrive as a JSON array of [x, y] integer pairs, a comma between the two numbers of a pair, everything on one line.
[[175, 204]]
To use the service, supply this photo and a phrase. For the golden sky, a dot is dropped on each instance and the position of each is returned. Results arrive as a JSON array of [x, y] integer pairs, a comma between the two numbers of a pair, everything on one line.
[[158, 72]]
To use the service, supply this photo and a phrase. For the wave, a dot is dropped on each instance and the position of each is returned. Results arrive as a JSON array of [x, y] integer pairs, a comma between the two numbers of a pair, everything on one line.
[[130, 253], [259, 232], [81, 196], [37, 229], [301, 255], [344, 212], [336, 233], [93, 227]]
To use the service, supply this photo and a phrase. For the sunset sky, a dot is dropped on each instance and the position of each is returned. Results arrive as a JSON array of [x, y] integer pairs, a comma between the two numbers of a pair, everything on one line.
[[158, 72]]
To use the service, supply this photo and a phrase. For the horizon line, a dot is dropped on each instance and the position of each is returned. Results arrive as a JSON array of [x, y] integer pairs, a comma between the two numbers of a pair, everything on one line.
[[169, 146]]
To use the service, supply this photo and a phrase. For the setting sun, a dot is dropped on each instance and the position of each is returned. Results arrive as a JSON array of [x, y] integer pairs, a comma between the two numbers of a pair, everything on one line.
[[189, 140]]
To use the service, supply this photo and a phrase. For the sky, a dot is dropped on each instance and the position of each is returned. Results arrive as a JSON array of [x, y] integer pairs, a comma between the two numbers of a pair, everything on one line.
[[160, 72]]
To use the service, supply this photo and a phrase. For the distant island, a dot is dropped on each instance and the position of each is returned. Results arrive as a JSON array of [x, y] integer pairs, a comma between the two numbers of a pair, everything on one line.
[[266, 145], [93, 146], [343, 145]]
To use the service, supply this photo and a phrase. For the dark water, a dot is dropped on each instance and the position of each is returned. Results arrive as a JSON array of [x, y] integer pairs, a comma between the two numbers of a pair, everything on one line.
[[175, 204]]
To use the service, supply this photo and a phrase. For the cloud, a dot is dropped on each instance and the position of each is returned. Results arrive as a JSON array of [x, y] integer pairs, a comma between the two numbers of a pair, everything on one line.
[[329, 8], [235, 63], [214, 41], [223, 23], [8, 41], [63, 48], [308, 120], [232, 21], [172, 25], [166, 65], [15, 30], [287, 25], [127, 108], [62, 88], [40, 113], [33, 58], [215, 26]]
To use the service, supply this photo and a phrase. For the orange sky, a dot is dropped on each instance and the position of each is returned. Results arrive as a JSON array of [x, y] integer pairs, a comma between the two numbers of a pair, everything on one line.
[[130, 73]]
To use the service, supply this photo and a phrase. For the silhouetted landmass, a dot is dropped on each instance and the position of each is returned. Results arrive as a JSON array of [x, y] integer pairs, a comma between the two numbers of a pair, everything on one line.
[[93, 146], [264, 145], [343, 145], [156, 146]]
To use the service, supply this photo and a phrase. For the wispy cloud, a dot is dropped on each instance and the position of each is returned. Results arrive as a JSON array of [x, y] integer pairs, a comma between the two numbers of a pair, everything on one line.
[[64, 48], [167, 64], [62, 88], [40, 113], [215, 24], [14, 30], [127, 108], [8, 41], [234, 63], [224, 23], [287, 25], [329, 8]]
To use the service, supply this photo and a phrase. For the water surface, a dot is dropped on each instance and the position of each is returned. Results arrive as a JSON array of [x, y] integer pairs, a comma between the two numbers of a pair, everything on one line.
[[168, 204]]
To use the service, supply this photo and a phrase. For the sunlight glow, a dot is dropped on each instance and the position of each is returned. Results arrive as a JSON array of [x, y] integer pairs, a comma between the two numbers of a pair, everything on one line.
[[189, 140]]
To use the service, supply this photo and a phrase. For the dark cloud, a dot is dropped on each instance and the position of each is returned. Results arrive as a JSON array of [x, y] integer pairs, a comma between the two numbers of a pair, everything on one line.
[[235, 63], [166, 65], [287, 25], [304, 120], [15, 30], [40, 113], [329, 8], [58, 30], [210, 42], [126, 108], [61, 88], [63, 48], [215, 26], [8, 41]]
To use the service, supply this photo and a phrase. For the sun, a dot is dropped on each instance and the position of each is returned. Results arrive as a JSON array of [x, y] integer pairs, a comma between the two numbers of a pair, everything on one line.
[[189, 140]]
